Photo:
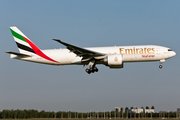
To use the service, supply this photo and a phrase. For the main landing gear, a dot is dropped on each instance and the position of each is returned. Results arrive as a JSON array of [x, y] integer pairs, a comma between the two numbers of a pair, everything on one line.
[[91, 70], [92, 67], [161, 61]]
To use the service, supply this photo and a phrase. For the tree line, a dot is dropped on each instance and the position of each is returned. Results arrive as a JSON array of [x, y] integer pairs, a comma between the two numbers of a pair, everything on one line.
[[23, 114]]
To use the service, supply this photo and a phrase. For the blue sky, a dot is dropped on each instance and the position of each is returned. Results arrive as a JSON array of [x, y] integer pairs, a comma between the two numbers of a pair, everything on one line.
[[26, 85]]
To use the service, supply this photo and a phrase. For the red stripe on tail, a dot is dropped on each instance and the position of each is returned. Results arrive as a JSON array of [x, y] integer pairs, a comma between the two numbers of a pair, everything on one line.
[[38, 51]]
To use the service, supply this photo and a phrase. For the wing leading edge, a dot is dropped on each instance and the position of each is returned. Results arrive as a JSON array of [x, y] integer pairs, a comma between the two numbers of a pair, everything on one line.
[[81, 52]]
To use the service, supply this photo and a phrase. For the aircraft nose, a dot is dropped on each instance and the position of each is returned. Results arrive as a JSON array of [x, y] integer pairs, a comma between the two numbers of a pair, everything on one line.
[[173, 53]]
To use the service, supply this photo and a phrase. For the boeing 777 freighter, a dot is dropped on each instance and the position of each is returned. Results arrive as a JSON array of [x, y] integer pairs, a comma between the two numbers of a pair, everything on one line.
[[113, 57]]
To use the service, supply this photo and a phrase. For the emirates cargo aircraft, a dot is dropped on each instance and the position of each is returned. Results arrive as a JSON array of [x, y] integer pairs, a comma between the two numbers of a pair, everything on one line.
[[113, 57]]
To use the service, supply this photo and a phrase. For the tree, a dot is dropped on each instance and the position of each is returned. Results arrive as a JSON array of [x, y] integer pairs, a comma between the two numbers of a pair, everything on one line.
[[14, 114], [147, 107], [126, 111], [23, 114], [122, 112], [152, 107], [41, 114], [121, 109], [3, 114], [116, 110]]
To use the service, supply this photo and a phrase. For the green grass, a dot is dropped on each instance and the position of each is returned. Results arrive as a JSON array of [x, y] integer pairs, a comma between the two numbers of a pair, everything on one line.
[[87, 119]]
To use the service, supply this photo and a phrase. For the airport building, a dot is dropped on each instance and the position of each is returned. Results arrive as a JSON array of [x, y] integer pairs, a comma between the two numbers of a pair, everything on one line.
[[141, 110], [178, 110], [118, 109], [149, 111], [178, 113], [137, 110]]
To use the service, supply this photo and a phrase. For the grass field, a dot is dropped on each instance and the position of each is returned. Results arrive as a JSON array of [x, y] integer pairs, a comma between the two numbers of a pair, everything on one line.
[[88, 119]]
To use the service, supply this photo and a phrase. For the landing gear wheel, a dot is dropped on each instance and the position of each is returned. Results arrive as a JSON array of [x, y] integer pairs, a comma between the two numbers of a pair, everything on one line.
[[91, 70], [160, 66], [95, 69], [88, 71]]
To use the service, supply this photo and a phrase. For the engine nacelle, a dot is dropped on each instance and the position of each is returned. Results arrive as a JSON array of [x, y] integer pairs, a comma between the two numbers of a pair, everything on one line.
[[114, 61]]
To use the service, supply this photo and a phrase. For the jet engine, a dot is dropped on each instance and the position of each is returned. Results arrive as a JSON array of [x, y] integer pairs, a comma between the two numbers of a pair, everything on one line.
[[114, 61]]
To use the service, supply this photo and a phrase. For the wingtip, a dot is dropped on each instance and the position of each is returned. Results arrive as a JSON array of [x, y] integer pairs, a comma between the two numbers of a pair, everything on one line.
[[57, 40], [53, 39], [7, 51]]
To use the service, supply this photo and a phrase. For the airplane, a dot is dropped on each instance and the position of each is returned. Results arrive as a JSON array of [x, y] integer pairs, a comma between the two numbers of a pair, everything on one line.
[[113, 57]]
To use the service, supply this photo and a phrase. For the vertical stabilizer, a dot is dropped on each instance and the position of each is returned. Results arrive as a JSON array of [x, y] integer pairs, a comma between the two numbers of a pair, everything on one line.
[[22, 41], [26, 46]]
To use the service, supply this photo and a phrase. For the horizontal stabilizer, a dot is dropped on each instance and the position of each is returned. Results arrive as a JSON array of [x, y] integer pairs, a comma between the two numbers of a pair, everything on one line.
[[18, 54]]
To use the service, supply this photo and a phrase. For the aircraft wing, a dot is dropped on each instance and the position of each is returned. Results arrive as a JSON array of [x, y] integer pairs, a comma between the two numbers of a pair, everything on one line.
[[85, 53]]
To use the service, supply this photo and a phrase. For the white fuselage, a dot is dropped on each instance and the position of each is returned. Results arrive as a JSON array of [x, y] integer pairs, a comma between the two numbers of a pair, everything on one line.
[[139, 53]]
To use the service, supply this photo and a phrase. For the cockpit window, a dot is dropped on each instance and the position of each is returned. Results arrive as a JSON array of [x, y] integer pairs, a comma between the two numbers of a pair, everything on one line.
[[169, 50]]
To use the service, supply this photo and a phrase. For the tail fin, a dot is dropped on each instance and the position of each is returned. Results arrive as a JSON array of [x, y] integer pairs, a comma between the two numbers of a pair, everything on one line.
[[24, 44]]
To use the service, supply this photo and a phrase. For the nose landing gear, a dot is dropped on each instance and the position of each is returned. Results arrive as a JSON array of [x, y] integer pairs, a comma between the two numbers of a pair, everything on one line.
[[161, 61], [160, 66]]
